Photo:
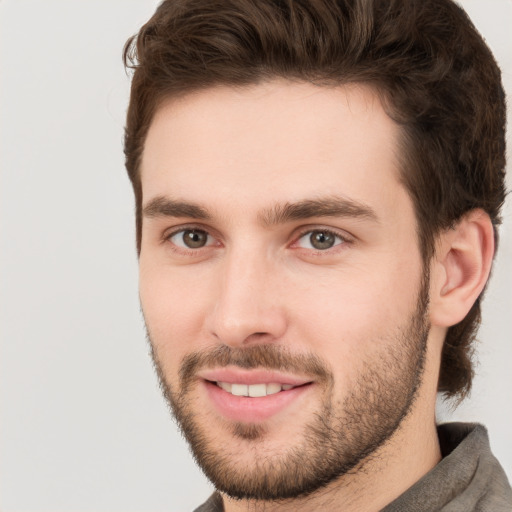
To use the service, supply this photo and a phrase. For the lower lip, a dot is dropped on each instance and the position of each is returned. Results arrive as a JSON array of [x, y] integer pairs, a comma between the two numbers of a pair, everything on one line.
[[252, 409]]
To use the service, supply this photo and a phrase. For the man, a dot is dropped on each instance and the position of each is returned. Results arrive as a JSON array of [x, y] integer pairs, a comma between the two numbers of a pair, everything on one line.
[[318, 187]]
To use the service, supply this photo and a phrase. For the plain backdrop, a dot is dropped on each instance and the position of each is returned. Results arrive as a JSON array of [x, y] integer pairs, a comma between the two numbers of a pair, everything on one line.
[[83, 427]]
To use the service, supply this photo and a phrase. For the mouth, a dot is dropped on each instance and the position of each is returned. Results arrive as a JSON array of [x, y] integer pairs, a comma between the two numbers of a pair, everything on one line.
[[254, 390], [253, 396]]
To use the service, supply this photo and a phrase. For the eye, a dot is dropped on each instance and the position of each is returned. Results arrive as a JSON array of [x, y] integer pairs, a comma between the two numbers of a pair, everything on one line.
[[190, 238], [319, 240]]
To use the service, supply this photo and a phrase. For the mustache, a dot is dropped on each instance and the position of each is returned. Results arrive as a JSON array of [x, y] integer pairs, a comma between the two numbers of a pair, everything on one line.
[[269, 356]]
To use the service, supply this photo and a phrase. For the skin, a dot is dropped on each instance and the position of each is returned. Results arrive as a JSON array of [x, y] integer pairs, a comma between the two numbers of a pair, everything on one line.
[[240, 155]]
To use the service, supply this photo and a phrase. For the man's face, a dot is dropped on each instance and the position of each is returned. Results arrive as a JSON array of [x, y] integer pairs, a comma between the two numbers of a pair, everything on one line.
[[279, 260]]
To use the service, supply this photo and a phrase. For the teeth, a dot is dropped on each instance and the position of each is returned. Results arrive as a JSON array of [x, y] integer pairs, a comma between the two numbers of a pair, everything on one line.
[[254, 390], [226, 386], [240, 389], [272, 389]]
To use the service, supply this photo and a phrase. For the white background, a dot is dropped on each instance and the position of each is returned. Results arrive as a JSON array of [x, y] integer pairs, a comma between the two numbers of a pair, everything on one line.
[[83, 426]]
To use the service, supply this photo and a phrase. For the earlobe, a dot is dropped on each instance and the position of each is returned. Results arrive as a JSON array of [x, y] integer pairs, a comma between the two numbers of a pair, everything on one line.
[[460, 268]]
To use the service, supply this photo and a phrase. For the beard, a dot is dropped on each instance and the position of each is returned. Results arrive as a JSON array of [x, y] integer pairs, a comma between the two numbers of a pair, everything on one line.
[[343, 435]]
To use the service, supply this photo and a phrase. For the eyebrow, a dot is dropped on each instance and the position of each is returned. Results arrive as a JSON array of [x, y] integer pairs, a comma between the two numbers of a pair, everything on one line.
[[330, 206], [165, 207]]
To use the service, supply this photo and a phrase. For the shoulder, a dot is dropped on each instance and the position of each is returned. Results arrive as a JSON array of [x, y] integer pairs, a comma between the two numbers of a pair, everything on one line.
[[469, 478]]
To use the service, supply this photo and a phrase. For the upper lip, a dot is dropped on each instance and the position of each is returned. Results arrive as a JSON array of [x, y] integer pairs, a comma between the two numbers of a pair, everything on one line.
[[257, 376]]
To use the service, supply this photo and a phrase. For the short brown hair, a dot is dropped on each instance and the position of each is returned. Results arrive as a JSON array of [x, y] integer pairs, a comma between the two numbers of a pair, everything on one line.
[[435, 74]]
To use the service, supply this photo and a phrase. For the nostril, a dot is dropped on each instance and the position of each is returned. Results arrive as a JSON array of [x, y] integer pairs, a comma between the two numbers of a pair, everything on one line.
[[257, 337]]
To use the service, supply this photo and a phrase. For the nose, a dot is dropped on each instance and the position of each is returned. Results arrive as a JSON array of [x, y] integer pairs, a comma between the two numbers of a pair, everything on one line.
[[248, 304]]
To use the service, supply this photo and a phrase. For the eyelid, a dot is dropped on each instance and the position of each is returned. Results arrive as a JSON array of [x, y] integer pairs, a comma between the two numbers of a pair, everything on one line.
[[173, 231], [345, 237], [169, 232]]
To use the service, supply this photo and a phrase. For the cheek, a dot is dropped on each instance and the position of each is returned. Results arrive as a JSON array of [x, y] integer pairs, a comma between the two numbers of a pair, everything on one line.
[[173, 308], [349, 313]]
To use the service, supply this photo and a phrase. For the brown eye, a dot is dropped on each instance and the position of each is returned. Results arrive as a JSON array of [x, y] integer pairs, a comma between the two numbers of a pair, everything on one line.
[[320, 240], [190, 238]]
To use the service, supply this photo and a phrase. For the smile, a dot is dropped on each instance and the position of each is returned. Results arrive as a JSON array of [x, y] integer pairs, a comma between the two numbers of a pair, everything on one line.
[[254, 390], [253, 396]]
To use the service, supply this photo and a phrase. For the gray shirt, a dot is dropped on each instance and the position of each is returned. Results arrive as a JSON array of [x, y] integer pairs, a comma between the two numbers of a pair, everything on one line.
[[468, 478]]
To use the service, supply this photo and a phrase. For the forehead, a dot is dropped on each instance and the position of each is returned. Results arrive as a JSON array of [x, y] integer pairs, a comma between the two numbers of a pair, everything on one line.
[[276, 141]]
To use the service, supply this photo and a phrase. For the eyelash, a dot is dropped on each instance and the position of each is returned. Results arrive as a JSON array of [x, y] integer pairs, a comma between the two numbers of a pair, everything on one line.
[[343, 240], [166, 239]]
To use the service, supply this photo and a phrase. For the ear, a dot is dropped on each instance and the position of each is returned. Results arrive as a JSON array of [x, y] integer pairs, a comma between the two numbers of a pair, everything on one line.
[[460, 268]]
